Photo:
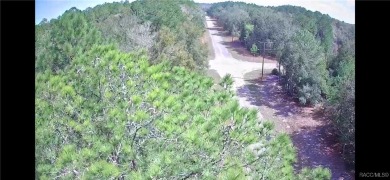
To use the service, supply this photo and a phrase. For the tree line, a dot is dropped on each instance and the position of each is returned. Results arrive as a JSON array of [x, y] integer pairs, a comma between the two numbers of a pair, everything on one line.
[[316, 51], [165, 29]]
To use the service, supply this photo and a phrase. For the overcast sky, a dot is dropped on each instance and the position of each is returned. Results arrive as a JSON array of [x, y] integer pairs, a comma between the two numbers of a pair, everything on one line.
[[343, 10]]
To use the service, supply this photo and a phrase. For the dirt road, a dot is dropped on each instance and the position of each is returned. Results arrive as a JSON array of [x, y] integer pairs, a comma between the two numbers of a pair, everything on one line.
[[310, 131], [224, 63]]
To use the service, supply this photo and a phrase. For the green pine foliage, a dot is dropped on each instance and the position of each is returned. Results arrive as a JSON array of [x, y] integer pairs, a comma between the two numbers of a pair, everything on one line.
[[305, 66], [59, 42], [95, 121], [105, 112], [342, 107], [254, 49]]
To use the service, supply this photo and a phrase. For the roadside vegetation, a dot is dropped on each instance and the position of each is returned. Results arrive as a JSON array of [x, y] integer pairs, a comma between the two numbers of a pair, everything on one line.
[[316, 51]]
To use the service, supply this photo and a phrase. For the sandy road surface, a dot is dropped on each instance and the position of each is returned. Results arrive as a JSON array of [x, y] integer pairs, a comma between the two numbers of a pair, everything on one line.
[[224, 63]]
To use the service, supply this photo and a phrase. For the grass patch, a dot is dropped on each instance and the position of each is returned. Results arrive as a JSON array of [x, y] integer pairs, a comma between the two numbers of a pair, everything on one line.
[[216, 77], [213, 74], [256, 74], [207, 40]]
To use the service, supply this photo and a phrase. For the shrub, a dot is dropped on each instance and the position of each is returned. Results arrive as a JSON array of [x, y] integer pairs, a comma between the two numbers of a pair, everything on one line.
[[275, 72]]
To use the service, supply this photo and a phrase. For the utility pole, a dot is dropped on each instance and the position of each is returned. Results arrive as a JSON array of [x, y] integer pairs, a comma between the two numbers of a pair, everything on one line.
[[262, 66]]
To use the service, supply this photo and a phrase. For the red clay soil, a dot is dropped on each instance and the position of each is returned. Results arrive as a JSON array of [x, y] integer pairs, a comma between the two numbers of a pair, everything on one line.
[[309, 128]]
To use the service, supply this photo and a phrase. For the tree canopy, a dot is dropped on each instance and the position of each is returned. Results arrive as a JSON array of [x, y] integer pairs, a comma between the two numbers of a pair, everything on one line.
[[113, 115]]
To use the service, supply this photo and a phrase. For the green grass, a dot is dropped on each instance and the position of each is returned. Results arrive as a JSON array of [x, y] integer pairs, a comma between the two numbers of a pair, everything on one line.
[[213, 74], [211, 53], [216, 77], [256, 74]]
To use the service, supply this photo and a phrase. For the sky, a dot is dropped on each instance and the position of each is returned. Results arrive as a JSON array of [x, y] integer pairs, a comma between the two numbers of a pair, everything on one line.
[[343, 10]]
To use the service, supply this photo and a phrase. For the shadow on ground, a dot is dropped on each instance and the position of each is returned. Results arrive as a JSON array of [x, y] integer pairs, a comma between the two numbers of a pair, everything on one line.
[[220, 33], [309, 128], [318, 146], [215, 28], [260, 93], [236, 46]]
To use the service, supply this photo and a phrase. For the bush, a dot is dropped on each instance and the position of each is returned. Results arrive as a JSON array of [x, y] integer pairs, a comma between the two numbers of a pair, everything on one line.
[[275, 72], [309, 95], [341, 105], [343, 111], [319, 173]]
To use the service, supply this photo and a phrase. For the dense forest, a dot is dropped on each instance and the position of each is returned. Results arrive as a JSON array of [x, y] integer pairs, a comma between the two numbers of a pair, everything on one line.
[[316, 51], [120, 91]]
